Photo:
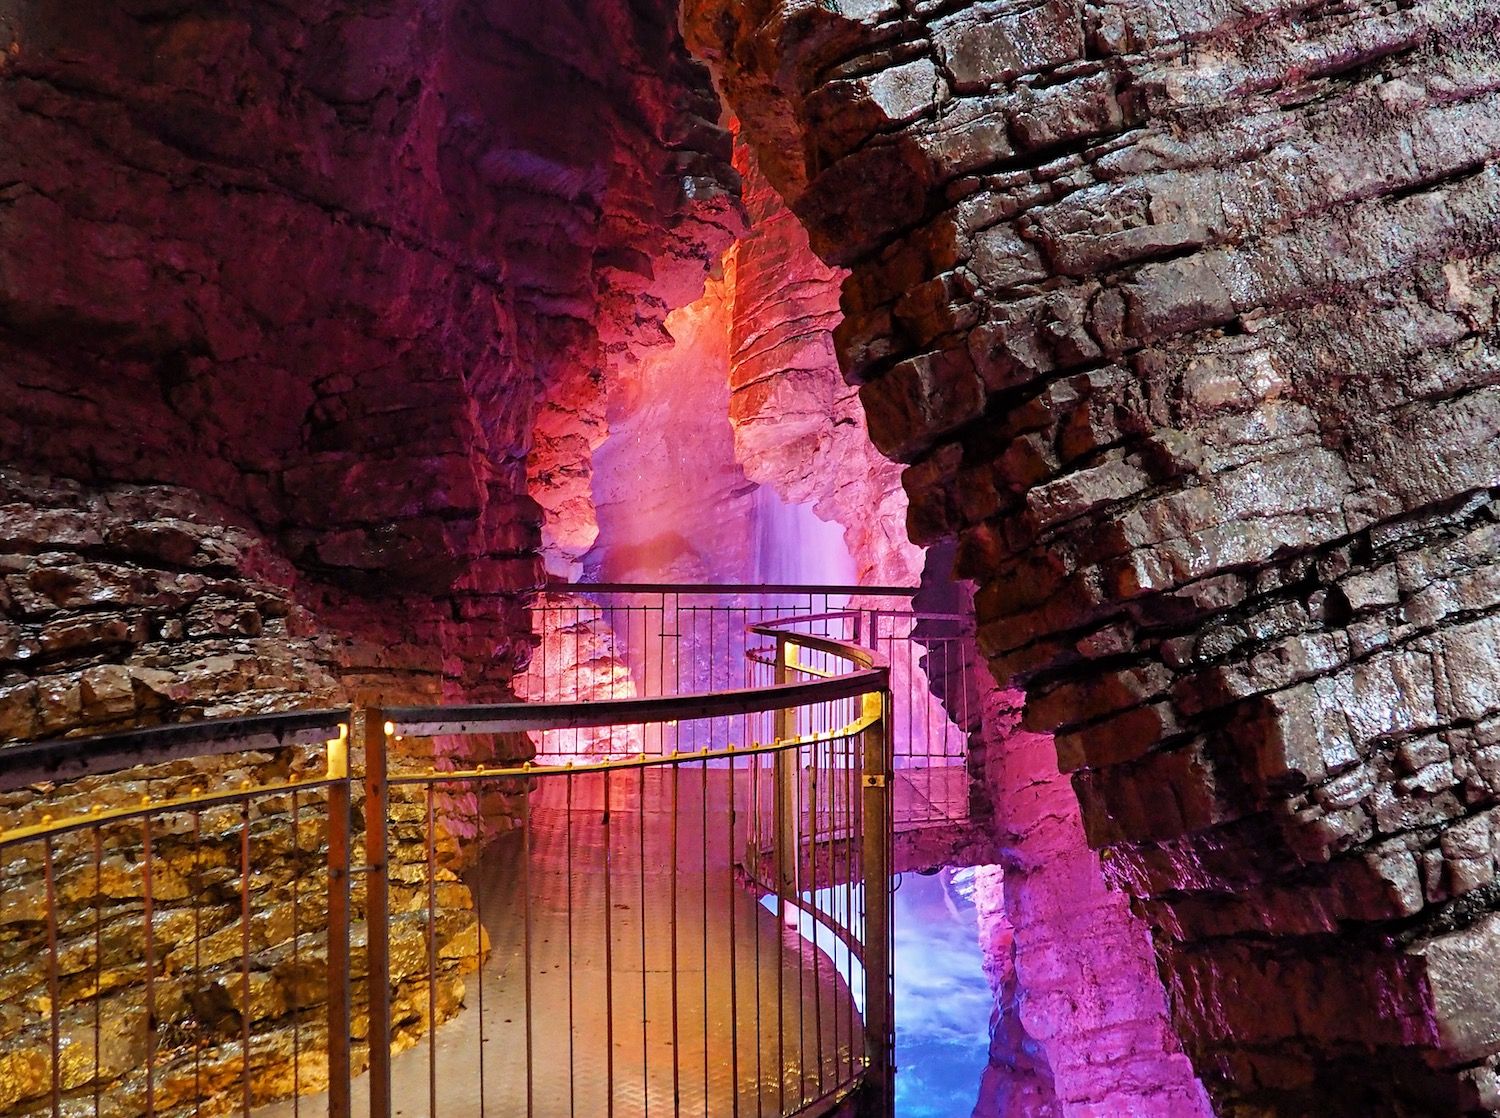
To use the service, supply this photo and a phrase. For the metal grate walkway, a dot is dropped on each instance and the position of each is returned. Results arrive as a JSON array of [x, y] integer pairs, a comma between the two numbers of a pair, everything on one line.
[[605, 894]]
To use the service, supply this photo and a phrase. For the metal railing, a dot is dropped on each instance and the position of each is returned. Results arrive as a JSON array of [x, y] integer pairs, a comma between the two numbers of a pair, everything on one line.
[[620, 640], [701, 926], [140, 969]]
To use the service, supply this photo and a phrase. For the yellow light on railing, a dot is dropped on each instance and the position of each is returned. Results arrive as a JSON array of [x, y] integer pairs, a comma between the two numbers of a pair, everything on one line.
[[338, 755]]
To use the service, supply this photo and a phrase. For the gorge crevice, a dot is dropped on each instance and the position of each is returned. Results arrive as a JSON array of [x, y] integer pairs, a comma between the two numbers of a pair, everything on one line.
[[1174, 322]]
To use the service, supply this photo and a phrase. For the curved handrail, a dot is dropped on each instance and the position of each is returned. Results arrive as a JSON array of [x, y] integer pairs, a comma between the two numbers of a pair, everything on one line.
[[822, 704], [686, 588], [858, 654], [24, 763], [495, 718]]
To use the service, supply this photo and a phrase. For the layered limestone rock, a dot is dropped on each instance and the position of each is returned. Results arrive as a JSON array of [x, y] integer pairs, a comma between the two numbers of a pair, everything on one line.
[[318, 266], [797, 427], [128, 605], [163, 1014], [290, 298], [1081, 1023], [1079, 1014], [1183, 318], [615, 209], [1018, 1080]]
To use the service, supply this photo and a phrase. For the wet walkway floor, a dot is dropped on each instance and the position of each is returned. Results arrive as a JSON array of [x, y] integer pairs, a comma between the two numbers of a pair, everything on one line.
[[655, 974]]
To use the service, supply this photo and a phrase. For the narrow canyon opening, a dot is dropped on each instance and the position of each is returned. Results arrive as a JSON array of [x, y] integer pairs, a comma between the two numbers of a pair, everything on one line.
[[624, 556]]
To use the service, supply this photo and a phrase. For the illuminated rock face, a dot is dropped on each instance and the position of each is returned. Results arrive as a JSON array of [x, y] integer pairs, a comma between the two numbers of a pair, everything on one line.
[[798, 427], [318, 266], [1081, 1017], [1080, 1012], [1182, 316]]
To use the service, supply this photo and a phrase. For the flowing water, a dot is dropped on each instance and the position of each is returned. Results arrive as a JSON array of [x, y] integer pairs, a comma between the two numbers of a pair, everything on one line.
[[943, 1000]]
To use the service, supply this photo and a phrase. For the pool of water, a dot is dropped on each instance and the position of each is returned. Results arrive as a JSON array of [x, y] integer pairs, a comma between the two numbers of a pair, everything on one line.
[[943, 1000]]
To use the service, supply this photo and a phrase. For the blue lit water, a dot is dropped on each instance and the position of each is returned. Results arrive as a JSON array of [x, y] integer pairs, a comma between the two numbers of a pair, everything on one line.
[[943, 1000]]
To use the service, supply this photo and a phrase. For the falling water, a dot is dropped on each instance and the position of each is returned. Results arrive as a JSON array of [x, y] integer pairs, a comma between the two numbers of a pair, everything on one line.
[[791, 545]]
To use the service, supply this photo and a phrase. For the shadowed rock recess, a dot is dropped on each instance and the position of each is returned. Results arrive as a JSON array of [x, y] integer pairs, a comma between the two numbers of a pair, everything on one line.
[[1183, 315]]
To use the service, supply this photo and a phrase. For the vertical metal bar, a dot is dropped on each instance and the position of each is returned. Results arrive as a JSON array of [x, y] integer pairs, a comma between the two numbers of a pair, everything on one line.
[[879, 1021], [778, 808], [609, 958], [296, 953], [570, 779], [339, 1009], [432, 960], [855, 913], [734, 975], [786, 778], [712, 684], [814, 787], [150, 952], [378, 909], [676, 871], [796, 854], [753, 865], [703, 877], [845, 847], [245, 1014], [528, 790], [661, 650], [99, 952], [645, 1002], [53, 991], [479, 911]]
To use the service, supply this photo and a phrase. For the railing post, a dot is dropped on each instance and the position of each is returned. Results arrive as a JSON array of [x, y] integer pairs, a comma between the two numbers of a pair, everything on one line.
[[377, 911], [880, 1037], [340, 1073], [787, 762]]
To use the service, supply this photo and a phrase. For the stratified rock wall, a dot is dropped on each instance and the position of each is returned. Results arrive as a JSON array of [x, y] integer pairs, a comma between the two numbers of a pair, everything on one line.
[[1184, 317], [317, 265], [616, 200], [294, 305], [1081, 1021], [229, 262], [1080, 1017], [797, 427]]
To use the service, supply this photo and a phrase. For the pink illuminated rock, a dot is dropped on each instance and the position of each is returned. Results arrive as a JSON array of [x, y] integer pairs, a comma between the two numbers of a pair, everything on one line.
[[333, 272], [1081, 1008], [1181, 315], [797, 426], [673, 503], [578, 658]]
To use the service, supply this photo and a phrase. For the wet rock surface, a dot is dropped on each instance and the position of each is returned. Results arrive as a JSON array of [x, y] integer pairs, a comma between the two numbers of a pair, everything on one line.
[[1183, 319], [333, 270], [159, 978], [797, 426], [300, 313], [132, 605]]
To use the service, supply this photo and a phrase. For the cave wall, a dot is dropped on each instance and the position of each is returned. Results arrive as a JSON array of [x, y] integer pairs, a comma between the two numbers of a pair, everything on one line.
[[798, 427], [290, 299], [1080, 1019], [1182, 316], [317, 265]]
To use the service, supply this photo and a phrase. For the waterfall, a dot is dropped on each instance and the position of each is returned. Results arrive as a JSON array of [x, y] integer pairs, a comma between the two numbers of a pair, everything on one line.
[[789, 544]]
